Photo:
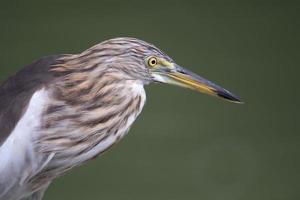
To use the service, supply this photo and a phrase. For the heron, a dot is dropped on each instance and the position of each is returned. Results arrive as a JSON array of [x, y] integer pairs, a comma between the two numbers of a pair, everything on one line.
[[64, 110]]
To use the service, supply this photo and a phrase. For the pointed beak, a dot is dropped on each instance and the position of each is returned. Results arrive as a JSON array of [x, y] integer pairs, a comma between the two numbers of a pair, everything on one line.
[[185, 78]]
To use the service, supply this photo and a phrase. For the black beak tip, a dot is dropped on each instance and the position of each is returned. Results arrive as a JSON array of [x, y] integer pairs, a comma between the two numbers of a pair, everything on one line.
[[229, 96]]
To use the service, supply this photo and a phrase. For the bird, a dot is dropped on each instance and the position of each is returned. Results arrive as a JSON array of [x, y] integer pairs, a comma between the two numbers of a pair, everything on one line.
[[63, 110]]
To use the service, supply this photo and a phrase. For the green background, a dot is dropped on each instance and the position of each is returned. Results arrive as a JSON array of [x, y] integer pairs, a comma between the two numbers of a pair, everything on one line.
[[184, 145]]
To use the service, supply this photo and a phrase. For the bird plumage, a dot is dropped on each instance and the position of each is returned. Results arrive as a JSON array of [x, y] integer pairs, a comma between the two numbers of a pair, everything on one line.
[[63, 110], [17, 90], [87, 102], [18, 157]]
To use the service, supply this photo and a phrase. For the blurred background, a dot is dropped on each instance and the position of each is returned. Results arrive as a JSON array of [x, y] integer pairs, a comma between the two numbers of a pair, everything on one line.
[[185, 145]]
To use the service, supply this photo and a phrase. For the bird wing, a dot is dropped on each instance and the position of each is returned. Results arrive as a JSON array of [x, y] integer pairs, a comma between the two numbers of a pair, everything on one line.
[[17, 90], [18, 158]]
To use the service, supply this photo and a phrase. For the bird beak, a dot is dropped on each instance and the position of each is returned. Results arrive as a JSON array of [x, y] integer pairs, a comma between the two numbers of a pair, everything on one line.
[[177, 75]]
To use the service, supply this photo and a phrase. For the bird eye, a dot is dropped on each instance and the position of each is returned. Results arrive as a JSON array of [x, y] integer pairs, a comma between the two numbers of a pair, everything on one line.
[[152, 61]]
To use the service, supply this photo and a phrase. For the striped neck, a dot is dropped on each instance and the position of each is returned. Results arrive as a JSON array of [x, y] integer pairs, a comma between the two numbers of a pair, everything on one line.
[[77, 131]]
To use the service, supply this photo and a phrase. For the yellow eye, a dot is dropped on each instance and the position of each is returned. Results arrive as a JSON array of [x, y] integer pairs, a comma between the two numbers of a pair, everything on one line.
[[152, 61]]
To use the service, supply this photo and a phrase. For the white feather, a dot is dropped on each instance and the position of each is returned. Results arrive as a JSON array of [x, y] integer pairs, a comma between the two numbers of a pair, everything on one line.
[[17, 157]]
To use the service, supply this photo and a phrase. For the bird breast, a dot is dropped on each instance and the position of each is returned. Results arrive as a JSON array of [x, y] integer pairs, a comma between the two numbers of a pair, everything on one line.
[[77, 133]]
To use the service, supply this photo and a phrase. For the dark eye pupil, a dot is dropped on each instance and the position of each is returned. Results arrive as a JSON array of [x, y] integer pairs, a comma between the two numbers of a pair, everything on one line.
[[153, 62]]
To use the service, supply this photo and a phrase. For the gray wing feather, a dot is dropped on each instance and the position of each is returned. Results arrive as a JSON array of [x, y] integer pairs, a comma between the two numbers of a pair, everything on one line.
[[18, 89]]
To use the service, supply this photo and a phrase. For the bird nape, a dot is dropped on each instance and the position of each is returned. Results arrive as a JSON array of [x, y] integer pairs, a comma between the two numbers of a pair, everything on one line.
[[61, 111]]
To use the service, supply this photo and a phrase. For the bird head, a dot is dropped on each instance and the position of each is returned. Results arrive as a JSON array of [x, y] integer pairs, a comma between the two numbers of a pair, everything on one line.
[[147, 62]]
